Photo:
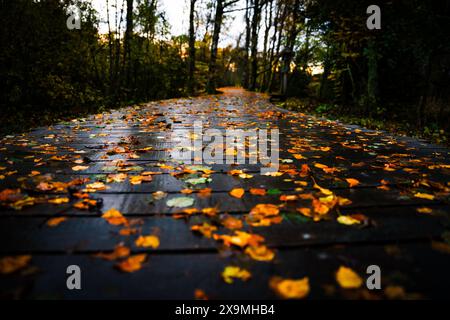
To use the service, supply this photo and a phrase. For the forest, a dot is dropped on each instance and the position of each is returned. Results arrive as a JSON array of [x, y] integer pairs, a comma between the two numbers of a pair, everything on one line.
[[334, 65]]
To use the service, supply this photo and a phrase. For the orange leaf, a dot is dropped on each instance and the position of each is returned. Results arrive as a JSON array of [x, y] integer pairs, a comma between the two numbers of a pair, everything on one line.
[[352, 182], [147, 242], [258, 192], [237, 193], [114, 217], [55, 221], [12, 264], [290, 288], [132, 264]]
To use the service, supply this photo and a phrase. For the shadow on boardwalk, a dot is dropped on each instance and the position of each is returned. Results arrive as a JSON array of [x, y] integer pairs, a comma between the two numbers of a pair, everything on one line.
[[104, 193]]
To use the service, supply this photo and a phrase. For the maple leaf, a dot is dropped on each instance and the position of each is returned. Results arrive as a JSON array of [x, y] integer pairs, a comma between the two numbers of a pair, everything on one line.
[[132, 263], [290, 288], [237, 193], [348, 279], [232, 272]]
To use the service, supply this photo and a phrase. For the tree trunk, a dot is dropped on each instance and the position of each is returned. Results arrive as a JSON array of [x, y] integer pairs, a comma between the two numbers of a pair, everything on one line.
[[191, 84], [268, 26], [246, 72], [211, 85], [372, 76], [254, 47], [127, 43]]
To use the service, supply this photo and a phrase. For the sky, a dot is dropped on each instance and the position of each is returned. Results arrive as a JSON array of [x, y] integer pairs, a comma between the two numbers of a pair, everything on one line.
[[178, 16]]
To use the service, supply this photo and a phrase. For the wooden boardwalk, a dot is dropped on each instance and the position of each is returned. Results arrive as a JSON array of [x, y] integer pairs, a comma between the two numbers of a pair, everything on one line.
[[396, 188]]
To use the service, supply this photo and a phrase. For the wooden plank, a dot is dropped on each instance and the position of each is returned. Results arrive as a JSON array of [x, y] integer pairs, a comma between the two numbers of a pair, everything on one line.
[[420, 271], [29, 234]]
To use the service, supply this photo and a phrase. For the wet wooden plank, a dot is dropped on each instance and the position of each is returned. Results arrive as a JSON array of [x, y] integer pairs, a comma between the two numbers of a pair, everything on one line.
[[29, 234], [414, 267]]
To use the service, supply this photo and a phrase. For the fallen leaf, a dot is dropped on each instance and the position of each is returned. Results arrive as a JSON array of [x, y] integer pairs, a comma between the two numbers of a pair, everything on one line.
[[205, 229], [120, 251], [56, 221], [348, 220], [260, 253], [424, 210], [80, 168], [237, 193], [352, 182], [424, 196], [290, 288], [231, 272], [180, 202], [265, 210], [58, 200], [159, 195], [132, 264], [258, 192], [348, 279], [114, 217], [12, 264], [147, 241], [232, 223]]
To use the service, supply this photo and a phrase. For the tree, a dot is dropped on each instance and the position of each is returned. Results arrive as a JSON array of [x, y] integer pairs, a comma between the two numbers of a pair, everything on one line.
[[221, 5], [191, 83]]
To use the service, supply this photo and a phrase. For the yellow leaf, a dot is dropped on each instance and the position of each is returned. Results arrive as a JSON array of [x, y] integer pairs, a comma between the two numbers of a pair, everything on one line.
[[147, 242], [424, 196], [58, 200], [237, 193], [205, 229], [290, 288], [231, 272], [424, 210], [348, 279], [347, 220]]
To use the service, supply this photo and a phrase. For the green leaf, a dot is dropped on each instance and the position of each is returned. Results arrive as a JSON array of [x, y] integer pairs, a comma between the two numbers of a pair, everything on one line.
[[273, 192]]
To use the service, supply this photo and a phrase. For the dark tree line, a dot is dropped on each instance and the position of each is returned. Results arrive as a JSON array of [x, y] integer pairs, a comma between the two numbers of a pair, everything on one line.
[[399, 72]]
